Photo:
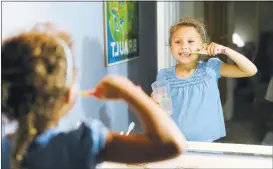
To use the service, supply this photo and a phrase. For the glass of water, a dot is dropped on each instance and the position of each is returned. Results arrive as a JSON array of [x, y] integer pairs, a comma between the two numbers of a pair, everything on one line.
[[161, 90]]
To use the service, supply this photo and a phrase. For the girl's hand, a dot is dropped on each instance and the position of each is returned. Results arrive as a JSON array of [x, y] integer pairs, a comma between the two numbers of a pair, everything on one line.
[[214, 49], [113, 87]]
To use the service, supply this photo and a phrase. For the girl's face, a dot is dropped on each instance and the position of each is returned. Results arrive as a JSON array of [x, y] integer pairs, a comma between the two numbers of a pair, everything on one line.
[[184, 40]]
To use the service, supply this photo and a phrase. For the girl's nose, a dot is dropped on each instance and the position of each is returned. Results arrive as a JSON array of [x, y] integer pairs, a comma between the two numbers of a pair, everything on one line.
[[183, 47]]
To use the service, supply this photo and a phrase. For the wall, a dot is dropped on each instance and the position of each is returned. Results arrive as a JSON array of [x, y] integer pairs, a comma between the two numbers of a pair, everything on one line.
[[252, 17], [144, 70], [84, 20], [245, 20], [193, 8], [265, 15]]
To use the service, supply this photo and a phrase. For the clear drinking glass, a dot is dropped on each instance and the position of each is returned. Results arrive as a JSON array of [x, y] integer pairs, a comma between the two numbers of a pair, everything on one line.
[[161, 90]]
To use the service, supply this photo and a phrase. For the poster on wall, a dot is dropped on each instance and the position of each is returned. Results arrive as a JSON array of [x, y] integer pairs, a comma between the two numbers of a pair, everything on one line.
[[121, 25]]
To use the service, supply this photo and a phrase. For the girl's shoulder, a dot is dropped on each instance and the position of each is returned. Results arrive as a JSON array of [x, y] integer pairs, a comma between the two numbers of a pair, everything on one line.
[[165, 73], [211, 66], [211, 62]]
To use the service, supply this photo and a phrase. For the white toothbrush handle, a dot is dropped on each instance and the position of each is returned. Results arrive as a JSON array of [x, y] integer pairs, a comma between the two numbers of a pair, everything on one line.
[[130, 128]]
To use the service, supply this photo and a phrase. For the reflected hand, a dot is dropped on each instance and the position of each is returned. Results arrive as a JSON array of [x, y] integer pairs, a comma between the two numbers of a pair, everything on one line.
[[214, 49]]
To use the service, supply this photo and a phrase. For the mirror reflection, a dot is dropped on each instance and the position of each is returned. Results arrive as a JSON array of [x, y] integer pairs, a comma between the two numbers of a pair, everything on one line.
[[219, 69]]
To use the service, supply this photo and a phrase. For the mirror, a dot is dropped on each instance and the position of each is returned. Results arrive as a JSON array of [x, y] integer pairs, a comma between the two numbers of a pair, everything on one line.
[[248, 116], [246, 27]]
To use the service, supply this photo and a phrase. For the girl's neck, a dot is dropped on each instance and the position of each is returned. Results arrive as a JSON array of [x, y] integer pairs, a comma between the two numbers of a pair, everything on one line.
[[186, 67], [184, 71]]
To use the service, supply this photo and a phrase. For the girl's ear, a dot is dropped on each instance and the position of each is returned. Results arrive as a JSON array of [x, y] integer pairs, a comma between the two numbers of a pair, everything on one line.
[[72, 94]]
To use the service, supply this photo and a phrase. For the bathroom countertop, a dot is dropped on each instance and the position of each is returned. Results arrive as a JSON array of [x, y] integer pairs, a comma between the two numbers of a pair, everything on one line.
[[234, 149]]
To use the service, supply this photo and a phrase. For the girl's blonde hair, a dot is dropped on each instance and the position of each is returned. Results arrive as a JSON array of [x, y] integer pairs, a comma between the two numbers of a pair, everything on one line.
[[189, 21]]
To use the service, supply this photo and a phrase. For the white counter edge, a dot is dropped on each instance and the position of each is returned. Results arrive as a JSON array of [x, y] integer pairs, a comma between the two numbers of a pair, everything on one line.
[[231, 148]]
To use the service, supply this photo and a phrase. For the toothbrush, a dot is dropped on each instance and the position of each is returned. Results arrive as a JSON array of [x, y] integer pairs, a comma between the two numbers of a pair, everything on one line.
[[223, 51], [199, 52], [130, 128], [87, 93]]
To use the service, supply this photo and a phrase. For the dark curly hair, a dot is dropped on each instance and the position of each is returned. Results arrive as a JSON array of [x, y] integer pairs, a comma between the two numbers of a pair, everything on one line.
[[33, 83]]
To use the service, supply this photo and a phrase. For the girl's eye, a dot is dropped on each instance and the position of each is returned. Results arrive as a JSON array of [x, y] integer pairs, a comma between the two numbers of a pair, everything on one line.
[[191, 41], [177, 42]]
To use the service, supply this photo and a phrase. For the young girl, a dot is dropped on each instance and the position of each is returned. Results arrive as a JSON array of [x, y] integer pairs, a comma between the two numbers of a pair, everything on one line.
[[195, 95], [33, 88]]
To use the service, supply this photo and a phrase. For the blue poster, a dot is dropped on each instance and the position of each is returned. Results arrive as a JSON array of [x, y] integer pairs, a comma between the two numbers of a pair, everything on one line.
[[121, 31]]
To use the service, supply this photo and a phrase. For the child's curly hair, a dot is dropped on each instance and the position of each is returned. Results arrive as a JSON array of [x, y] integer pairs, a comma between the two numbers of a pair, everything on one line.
[[33, 82], [189, 21]]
